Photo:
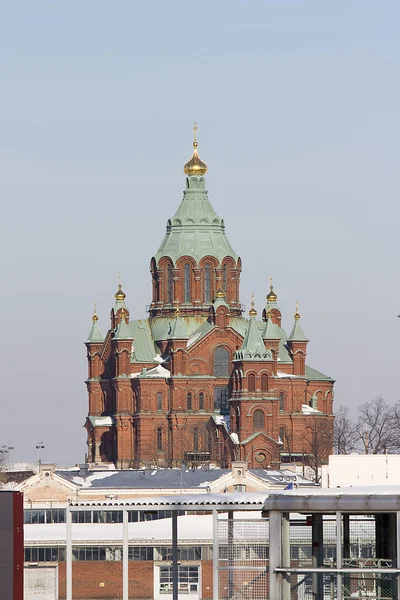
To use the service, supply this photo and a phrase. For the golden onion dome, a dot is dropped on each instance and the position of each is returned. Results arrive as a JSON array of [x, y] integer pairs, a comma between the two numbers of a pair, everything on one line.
[[220, 293], [95, 318], [297, 314], [120, 295], [271, 297], [252, 311], [195, 166]]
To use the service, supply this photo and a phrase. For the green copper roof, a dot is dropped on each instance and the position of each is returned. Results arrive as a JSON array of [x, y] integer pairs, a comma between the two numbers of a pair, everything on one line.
[[315, 375], [253, 346], [123, 331], [271, 331], [297, 334], [94, 334], [144, 349], [195, 229], [178, 329]]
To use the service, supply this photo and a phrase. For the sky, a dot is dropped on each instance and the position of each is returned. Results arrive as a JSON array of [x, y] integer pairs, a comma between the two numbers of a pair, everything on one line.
[[297, 104]]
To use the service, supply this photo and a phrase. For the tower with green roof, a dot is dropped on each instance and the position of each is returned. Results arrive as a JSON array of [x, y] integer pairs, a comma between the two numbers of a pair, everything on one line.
[[195, 380]]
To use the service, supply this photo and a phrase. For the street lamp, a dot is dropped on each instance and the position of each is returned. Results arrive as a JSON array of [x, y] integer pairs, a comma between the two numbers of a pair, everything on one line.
[[39, 446], [5, 452]]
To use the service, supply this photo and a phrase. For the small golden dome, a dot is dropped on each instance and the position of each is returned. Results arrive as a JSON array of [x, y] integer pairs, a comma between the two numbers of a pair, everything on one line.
[[252, 311], [95, 318], [195, 166], [297, 314], [220, 293], [271, 297], [269, 313], [120, 295]]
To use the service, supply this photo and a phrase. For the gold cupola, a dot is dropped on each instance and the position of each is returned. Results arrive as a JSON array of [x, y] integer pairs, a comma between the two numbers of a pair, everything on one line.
[[120, 295], [271, 297], [195, 166], [252, 311]]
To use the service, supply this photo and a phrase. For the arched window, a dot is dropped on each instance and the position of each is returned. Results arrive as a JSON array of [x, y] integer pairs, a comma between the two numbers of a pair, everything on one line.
[[251, 382], [195, 439], [159, 401], [201, 401], [221, 362], [159, 439], [224, 277], [207, 283], [258, 419], [281, 402], [189, 401], [282, 436], [264, 382], [186, 283], [170, 285]]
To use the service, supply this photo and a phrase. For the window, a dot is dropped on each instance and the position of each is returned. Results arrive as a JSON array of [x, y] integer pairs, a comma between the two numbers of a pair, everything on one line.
[[184, 553], [54, 515], [34, 555], [251, 382], [159, 401], [264, 382], [281, 402], [224, 277], [88, 553], [140, 553], [207, 283], [188, 579], [159, 439], [221, 399], [186, 283], [258, 419], [195, 439], [201, 401], [240, 488], [221, 362], [170, 285], [189, 401]]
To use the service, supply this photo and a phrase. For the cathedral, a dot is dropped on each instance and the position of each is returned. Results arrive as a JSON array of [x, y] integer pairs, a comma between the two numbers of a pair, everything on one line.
[[197, 381]]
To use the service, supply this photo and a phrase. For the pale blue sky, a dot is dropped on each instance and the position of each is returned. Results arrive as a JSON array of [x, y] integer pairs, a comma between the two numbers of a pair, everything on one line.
[[297, 105]]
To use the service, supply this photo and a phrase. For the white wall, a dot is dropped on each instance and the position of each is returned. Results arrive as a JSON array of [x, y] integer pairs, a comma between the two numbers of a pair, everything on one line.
[[361, 469]]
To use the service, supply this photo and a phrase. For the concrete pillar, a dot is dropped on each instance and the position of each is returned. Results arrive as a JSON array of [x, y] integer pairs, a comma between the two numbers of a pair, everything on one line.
[[286, 582], [317, 556], [215, 555], [125, 557], [174, 555], [339, 586], [346, 552], [68, 555], [275, 554], [230, 559]]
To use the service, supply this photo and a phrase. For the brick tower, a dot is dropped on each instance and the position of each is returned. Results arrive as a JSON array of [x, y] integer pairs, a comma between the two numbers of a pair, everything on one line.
[[195, 380]]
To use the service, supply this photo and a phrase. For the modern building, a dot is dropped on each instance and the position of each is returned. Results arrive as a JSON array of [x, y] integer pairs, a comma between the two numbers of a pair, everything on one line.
[[196, 380]]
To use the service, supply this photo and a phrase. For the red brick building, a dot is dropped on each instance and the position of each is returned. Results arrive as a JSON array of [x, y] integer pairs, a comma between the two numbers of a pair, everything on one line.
[[196, 380]]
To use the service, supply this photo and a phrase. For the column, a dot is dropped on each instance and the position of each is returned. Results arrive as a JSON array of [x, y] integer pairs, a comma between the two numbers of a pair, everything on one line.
[[275, 553], [317, 556]]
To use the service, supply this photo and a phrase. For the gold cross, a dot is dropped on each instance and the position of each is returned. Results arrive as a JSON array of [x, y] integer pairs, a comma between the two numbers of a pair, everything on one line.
[[195, 128]]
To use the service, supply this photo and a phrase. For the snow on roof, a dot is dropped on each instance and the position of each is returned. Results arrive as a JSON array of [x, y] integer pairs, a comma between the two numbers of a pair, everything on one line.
[[234, 438], [101, 421], [87, 482], [308, 410], [282, 374], [158, 371]]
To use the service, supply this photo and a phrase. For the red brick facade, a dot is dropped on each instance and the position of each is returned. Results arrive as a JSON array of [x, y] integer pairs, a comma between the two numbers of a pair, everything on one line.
[[144, 413]]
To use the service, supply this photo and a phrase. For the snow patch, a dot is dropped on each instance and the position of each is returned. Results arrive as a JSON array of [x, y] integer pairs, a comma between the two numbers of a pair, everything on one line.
[[308, 410]]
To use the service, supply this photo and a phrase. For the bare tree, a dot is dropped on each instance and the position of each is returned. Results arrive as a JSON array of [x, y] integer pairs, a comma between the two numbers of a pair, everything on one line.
[[344, 432], [377, 430], [317, 445]]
